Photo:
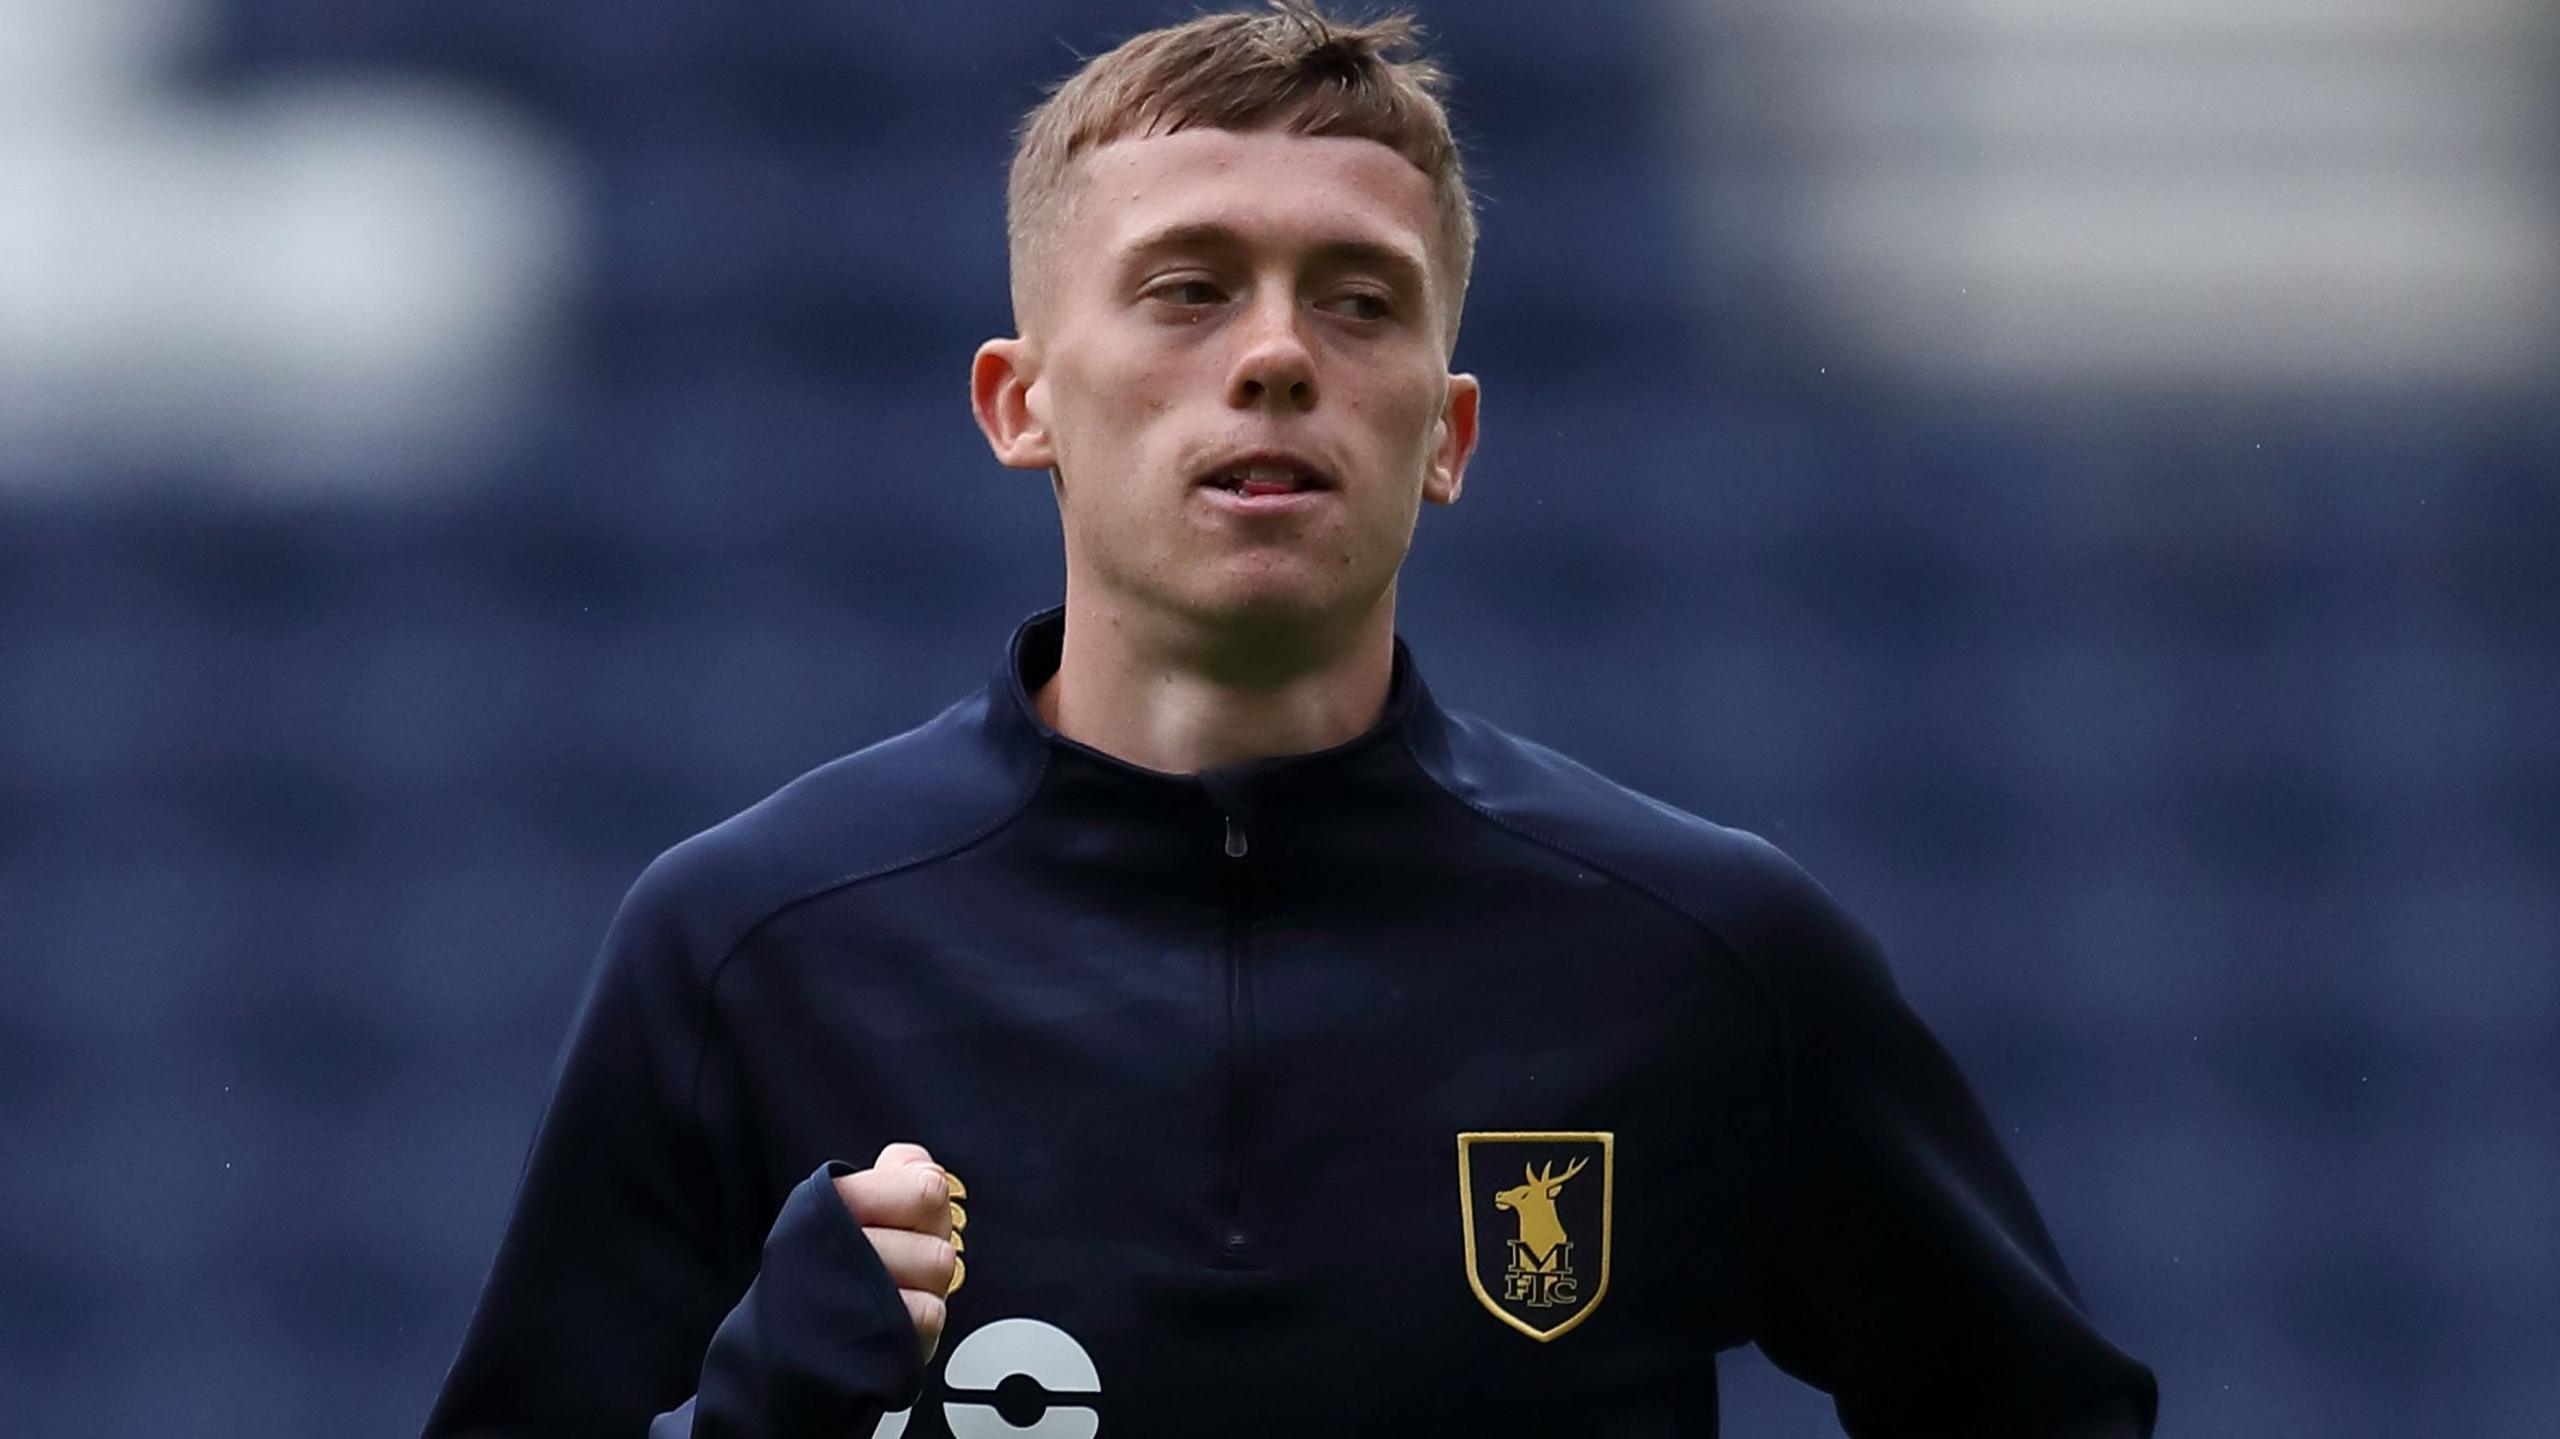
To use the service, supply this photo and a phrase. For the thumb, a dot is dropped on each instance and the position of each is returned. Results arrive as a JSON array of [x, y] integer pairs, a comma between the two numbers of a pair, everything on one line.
[[902, 1155]]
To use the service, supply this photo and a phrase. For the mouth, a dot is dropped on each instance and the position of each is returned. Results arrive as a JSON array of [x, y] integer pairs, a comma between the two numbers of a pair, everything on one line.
[[1265, 474]]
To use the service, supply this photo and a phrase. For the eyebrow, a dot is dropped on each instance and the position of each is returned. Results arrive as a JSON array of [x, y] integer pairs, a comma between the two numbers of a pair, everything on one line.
[[1400, 266]]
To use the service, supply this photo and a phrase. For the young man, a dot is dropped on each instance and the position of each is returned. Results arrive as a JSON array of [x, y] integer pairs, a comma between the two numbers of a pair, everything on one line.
[[1319, 1060]]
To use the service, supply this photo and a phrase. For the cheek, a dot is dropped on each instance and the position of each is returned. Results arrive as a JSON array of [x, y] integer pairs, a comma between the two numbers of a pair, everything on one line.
[[1408, 421], [1111, 401], [1112, 436]]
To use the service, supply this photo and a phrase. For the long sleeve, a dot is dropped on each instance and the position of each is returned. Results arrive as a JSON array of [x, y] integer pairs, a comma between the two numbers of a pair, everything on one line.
[[1905, 1270], [630, 1277], [820, 1344]]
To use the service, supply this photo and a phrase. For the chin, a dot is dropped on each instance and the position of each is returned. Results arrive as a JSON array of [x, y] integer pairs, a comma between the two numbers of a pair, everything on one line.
[[1261, 605], [1288, 604]]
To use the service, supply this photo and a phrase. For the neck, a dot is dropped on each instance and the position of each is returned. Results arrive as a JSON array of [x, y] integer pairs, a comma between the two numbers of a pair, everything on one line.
[[1170, 696]]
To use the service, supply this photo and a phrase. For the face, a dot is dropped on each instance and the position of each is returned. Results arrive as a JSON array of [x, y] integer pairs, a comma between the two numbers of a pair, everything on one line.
[[1236, 375]]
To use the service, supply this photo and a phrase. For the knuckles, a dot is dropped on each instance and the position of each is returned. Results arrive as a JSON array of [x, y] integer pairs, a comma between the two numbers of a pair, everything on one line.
[[908, 1208], [915, 1261], [896, 1199]]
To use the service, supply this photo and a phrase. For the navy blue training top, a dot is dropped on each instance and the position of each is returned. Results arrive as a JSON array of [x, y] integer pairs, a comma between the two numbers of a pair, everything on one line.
[[1429, 1082]]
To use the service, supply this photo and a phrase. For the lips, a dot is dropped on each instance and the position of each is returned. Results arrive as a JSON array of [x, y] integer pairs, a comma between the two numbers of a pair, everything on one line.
[[1265, 473]]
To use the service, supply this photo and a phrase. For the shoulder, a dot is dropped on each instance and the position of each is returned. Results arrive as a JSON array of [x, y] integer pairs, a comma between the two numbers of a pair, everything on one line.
[[1754, 901], [905, 801]]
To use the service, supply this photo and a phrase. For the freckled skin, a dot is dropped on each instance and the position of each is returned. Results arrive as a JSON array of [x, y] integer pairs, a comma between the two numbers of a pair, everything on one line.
[[1145, 365]]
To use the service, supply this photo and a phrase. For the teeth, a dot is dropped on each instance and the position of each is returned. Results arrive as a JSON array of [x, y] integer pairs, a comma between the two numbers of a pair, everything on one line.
[[1286, 476]]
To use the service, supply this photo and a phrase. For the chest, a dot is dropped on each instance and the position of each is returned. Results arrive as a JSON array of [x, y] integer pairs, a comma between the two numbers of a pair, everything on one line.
[[1412, 1156]]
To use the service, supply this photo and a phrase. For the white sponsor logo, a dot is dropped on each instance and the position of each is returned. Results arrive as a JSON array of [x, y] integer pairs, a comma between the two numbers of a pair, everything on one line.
[[1007, 1349]]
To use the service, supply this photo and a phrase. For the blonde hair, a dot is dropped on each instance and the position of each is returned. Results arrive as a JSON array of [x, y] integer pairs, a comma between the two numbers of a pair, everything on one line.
[[1289, 68]]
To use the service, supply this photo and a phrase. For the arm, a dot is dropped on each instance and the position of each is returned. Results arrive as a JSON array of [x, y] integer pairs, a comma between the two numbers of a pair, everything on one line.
[[1904, 1268], [826, 1339], [632, 1275]]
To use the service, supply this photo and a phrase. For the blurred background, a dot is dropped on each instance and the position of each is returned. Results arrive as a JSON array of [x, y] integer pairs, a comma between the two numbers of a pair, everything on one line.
[[2085, 478]]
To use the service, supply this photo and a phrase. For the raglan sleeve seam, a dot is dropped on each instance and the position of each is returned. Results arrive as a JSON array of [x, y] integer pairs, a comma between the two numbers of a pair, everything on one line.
[[1782, 1024], [704, 991]]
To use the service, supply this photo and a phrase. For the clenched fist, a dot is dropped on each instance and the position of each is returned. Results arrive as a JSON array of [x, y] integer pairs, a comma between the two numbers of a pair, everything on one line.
[[905, 1205]]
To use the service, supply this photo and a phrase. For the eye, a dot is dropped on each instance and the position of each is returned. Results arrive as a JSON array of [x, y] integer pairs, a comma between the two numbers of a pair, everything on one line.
[[1189, 293], [1361, 305]]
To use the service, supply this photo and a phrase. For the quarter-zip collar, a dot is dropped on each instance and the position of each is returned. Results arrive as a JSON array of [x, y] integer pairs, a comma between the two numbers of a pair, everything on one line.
[[1223, 852], [1253, 793]]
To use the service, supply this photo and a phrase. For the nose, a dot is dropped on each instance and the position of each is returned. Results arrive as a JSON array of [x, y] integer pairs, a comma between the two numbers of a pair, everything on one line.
[[1274, 367]]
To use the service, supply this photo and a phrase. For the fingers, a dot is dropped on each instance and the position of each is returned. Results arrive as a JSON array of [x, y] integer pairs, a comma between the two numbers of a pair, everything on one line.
[[915, 1261], [929, 1314], [925, 1269], [906, 1205], [913, 1197]]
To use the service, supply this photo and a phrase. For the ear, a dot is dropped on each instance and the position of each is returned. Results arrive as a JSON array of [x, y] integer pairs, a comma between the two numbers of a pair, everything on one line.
[[1453, 441], [1001, 383]]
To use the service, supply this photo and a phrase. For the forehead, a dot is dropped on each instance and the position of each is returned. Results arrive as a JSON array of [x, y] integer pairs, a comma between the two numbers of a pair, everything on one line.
[[1265, 185]]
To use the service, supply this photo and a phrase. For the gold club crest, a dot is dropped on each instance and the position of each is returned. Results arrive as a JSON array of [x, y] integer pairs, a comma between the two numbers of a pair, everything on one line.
[[1536, 1210]]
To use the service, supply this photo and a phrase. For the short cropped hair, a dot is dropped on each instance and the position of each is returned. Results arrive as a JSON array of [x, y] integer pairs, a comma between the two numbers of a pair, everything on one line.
[[1290, 67]]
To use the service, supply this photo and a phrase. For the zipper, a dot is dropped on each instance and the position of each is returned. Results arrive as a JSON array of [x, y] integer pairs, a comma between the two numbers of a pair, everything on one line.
[[1233, 1242]]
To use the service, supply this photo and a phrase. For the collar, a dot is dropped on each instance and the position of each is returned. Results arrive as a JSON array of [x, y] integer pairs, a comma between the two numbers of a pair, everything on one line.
[[1268, 787]]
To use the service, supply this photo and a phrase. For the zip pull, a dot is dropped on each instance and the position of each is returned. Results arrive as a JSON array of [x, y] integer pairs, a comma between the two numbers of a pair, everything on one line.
[[1235, 839]]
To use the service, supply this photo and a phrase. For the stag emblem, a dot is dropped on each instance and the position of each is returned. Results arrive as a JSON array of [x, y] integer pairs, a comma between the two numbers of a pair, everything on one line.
[[1542, 1277], [1541, 1272]]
